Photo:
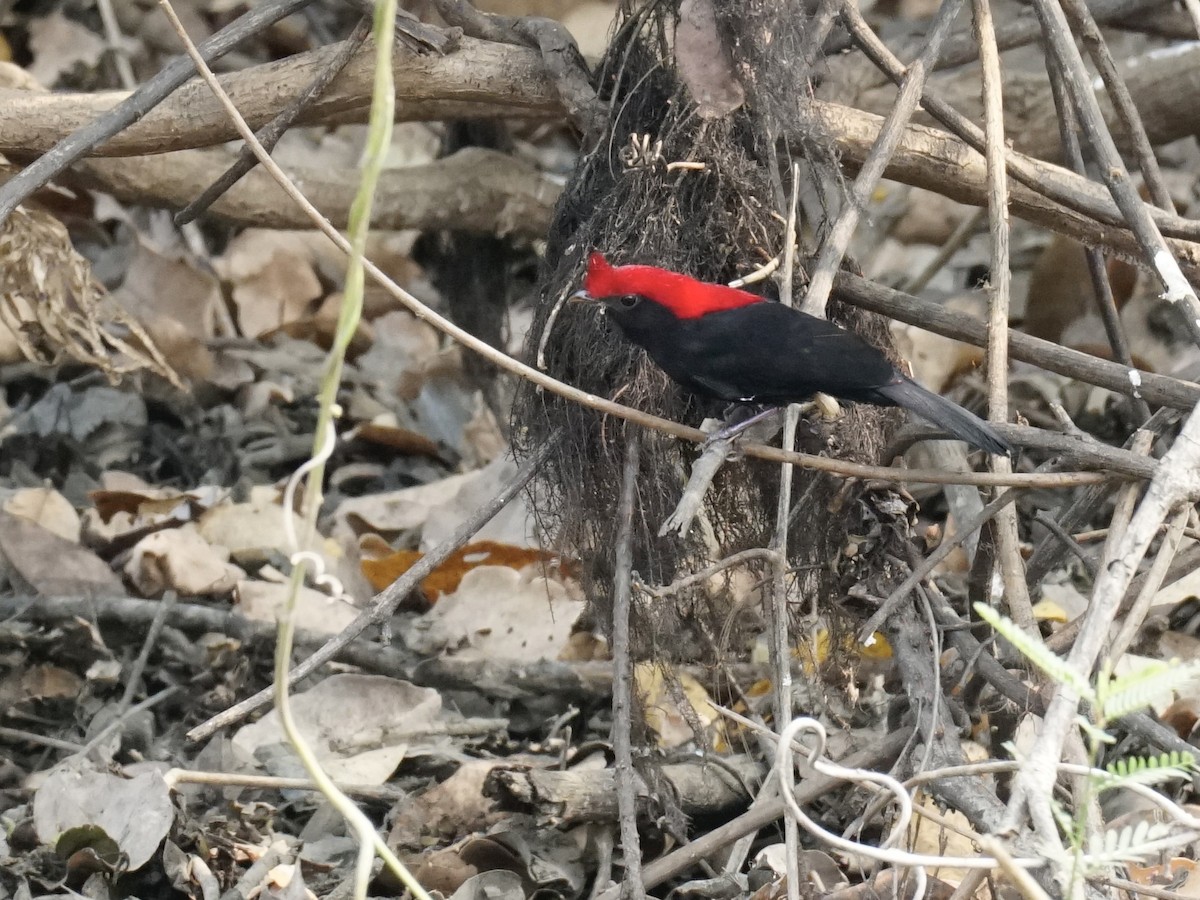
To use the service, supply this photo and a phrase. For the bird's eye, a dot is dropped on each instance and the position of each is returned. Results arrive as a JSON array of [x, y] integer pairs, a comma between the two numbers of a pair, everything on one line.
[[629, 301]]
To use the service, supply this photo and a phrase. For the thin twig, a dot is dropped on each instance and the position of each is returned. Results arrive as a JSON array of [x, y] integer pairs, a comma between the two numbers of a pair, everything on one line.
[[623, 699], [118, 724], [1176, 481], [834, 248], [1082, 509], [1021, 879], [270, 133], [679, 861], [1118, 91], [385, 792], [689, 581], [250, 882], [780, 645], [1045, 179], [920, 572], [1157, 389], [1105, 301], [958, 632], [165, 606], [1047, 521], [116, 44], [1124, 508], [916, 666], [550, 38], [967, 888], [1008, 543], [1077, 81], [1154, 579], [1023, 28], [957, 240], [1133, 887], [20, 735]]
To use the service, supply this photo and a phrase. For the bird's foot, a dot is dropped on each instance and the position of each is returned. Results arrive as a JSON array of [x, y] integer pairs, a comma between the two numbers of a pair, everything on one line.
[[740, 419], [734, 426]]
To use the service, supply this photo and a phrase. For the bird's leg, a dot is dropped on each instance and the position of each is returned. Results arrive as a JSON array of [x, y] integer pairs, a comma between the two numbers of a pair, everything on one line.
[[735, 425]]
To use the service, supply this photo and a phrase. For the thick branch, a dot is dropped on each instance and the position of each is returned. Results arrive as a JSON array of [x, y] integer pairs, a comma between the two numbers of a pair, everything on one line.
[[473, 190], [562, 799], [931, 159], [1162, 85], [481, 78], [478, 79]]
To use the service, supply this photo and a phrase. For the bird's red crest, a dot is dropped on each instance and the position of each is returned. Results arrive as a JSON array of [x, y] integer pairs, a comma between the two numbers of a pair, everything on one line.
[[686, 297]]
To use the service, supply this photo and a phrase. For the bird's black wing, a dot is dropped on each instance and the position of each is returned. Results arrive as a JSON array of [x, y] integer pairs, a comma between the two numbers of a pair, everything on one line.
[[771, 354]]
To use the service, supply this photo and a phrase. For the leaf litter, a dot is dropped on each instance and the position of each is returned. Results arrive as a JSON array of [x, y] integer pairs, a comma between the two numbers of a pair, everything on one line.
[[117, 488]]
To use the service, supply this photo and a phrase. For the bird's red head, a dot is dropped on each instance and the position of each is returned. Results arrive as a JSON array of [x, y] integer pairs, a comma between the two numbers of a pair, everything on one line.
[[686, 297]]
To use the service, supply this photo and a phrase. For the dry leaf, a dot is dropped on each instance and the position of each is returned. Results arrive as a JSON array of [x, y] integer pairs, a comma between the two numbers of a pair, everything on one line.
[[512, 525], [933, 839], [358, 725], [315, 610], [660, 691], [398, 511], [179, 559], [498, 613], [52, 565], [404, 349], [449, 810], [1179, 876], [253, 530], [133, 813], [1182, 716], [446, 577], [48, 508], [321, 329], [59, 44], [145, 506], [47, 682], [273, 276], [54, 307], [402, 440], [177, 302], [120, 518]]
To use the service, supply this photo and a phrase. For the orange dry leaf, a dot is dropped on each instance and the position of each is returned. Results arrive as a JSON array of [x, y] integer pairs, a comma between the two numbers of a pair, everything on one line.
[[1177, 875], [445, 578], [403, 440]]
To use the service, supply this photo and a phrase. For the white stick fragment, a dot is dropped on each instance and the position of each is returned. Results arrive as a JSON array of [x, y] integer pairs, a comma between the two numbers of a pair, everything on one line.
[[1172, 276]]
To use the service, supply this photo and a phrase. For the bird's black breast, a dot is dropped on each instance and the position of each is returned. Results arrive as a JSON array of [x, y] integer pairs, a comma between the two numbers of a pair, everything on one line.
[[764, 352]]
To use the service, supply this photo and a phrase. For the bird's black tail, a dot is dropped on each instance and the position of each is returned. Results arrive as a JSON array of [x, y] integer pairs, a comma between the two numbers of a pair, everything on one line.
[[945, 414]]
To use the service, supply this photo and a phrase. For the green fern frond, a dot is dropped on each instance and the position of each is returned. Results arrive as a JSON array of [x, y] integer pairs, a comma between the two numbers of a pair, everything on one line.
[[1056, 668], [1147, 770], [1063, 816], [1132, 843], [1095, 732], [1154, 683]]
